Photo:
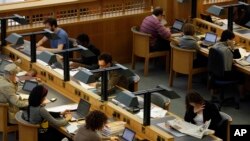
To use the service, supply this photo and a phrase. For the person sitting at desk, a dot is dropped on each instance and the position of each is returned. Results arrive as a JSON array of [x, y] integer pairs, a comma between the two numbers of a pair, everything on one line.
[[189, 41], [198, 111], [160, 34], [91, 62], [94, 122], [56, 45], [37, 114], [226, 47], [114, 77], [8, 89]]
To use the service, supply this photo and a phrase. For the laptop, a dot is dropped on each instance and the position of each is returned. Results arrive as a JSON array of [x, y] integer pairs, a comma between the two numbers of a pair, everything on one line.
[[81, 111], [177, 26], [128, 135], [2, 65], [27, 87], [210, 39]]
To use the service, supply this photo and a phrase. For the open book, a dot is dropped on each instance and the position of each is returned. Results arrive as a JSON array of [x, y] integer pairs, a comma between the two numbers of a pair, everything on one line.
[[191, 129]]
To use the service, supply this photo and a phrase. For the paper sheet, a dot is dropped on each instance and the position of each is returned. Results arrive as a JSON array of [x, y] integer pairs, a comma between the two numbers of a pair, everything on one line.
[[63, 108]]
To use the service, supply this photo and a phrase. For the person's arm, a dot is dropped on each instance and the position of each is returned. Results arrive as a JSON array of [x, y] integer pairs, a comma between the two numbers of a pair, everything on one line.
[[215, 116], [13, 98], [42, 41], [189, 115], [59, 48], [56, 122], [163, 31]]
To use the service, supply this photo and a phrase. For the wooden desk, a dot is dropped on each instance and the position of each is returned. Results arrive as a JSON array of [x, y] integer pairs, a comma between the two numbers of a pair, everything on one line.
[[74, 91]]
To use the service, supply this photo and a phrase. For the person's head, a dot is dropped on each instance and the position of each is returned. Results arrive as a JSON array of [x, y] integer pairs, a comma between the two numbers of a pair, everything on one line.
[[83, 39], [37, 95], [194, 99], [51, 24], [227, 35], [189, 29], [158, 12], [96, 120], [105, 60], [10, 72]]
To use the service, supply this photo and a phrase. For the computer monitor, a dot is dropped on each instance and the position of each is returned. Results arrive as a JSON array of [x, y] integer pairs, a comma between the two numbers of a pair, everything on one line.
[[29, 85], [178, 24], [206, 17], [3, 64], [210, 37]]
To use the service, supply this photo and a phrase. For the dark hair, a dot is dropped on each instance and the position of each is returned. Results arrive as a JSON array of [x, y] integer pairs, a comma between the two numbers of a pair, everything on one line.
[[51, 22], [83, 38], [106, 57], [189, 29], [37, 95], [158, 11], [193, 97], [227, 35], [95, 120]]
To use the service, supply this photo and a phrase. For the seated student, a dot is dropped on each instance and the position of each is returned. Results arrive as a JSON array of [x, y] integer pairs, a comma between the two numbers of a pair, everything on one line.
[[198, 111], [160, 34], [91, 62], [226, 47], [114, 77], [8, 89], [37, 114], [95, 122], [189, 41]]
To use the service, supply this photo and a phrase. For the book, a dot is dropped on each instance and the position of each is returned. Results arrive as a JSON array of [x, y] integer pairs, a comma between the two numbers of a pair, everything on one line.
[[190, 129], [113, 128]]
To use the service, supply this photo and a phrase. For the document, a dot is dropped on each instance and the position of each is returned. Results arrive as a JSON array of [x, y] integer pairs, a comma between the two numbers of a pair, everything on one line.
[[189, 128], [62, 108], [156, 112], [71, 128], [170, 130]]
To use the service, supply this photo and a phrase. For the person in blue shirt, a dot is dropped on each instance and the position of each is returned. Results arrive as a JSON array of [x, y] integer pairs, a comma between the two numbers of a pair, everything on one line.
[[56, 45]]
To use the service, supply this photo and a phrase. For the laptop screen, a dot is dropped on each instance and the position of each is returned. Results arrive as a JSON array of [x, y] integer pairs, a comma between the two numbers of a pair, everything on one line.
[[29, 85], [128, 134], [211, 37], [83, 107], [178, 24], [3, 64]]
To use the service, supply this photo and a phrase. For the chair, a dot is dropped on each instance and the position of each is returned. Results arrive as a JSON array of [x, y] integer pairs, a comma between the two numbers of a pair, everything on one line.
[[4, 127], [141, 49], [160, 100], [216, 76], [27, 131], [182, 62], [133, 82], [225, 124]]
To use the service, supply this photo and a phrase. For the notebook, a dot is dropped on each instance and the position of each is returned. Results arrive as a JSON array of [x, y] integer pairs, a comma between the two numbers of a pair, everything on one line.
[[210, 39], [81, 111], [128, 135], [27, 88], [3, 64], [177, 26]]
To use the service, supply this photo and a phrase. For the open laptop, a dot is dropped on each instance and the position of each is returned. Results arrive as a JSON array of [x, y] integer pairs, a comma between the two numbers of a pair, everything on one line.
[[81, 111], [27, 87], [128, 135], [2, 65], [210, 39], [177, 26]]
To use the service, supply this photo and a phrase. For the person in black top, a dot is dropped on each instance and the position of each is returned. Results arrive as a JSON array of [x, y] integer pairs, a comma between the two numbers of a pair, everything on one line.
[[88, 62], [198, 111]]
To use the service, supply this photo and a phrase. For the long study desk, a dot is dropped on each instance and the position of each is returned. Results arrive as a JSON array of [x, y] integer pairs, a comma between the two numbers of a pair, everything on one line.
[[74, 91]]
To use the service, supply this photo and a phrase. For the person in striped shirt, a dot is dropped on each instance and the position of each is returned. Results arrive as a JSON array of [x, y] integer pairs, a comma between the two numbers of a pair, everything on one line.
[[160, 34]]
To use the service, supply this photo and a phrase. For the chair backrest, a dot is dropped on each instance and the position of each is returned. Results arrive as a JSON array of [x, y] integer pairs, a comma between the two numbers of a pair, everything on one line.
[[160, 100], [140, 42], [181, 59], [215, 63], [27, 131], [3, 116], [224, 126]]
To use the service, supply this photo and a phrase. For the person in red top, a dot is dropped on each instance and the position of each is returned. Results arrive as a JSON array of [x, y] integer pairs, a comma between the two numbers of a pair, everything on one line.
[[160, 34]]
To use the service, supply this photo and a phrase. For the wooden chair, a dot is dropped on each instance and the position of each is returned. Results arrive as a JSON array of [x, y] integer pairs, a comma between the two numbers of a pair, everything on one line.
[[4, 127], [27, 131], [141, 49], [229, 120], [182, 62], [160, 100]]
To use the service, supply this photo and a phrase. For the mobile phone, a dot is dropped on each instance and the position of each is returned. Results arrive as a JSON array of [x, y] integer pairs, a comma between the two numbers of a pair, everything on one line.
[[53, 99]]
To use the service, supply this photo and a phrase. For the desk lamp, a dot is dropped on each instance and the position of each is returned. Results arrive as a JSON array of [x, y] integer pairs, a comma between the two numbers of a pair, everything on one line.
[[21, 20], [218, 10]]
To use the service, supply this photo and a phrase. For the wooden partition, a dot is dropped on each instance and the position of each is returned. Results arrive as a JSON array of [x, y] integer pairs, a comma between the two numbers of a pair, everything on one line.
[[107, 22]]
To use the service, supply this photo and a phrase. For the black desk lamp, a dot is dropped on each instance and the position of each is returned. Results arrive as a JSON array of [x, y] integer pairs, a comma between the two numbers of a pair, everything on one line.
[[21, 20], [218, 10], [147, 102], [15, 37]]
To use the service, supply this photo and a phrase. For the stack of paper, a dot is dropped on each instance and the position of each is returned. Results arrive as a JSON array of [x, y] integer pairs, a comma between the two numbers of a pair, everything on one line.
[[62, 108], [113, 128], [156, 112]]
